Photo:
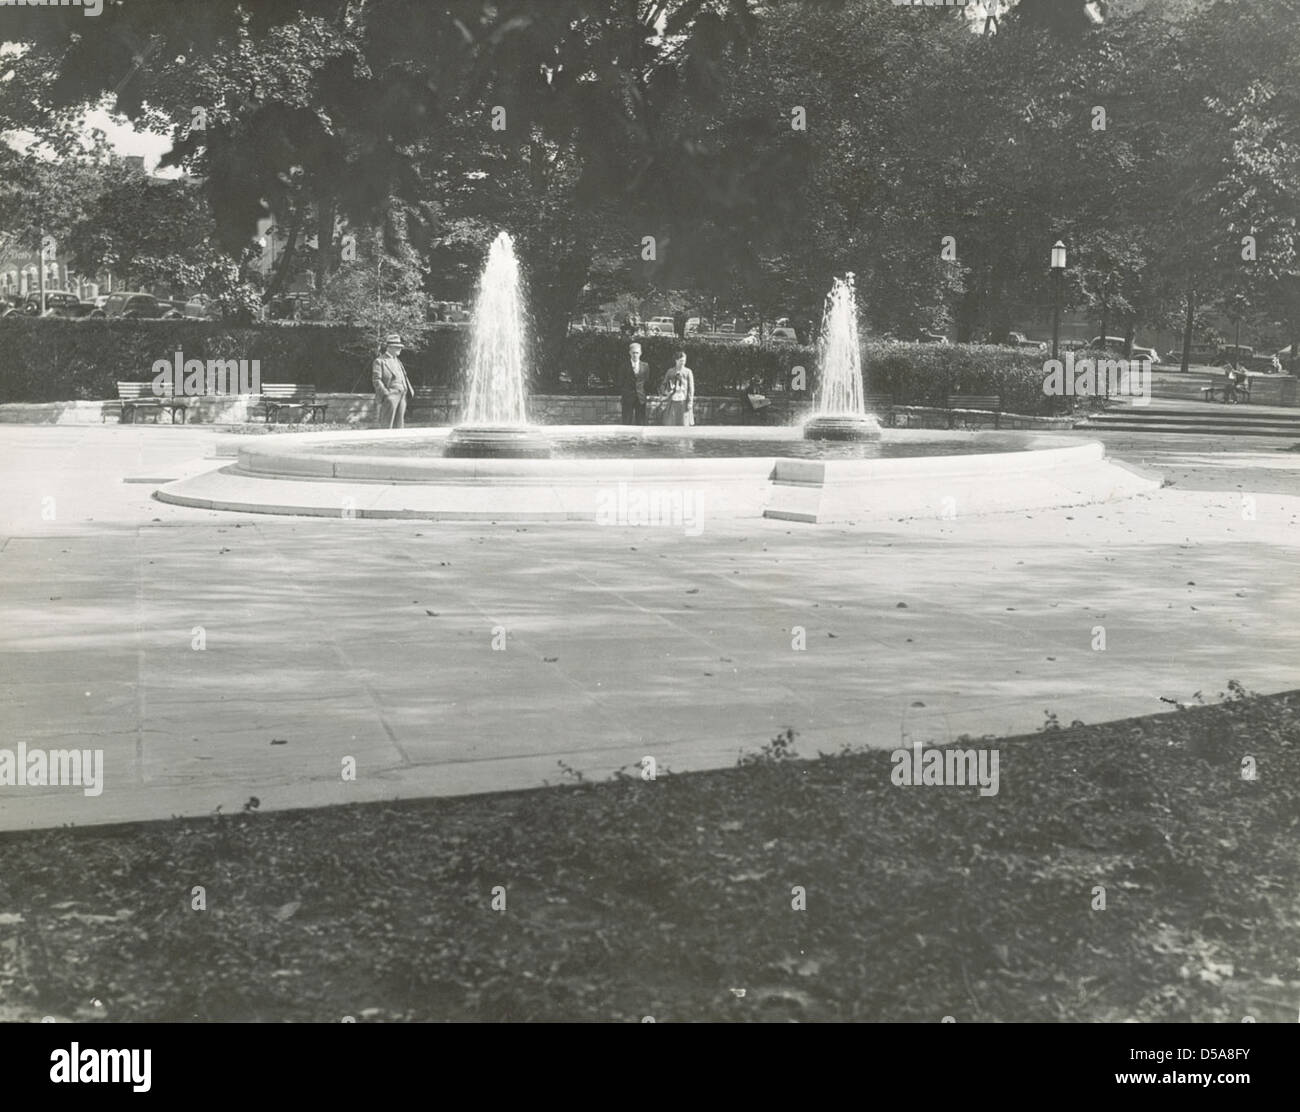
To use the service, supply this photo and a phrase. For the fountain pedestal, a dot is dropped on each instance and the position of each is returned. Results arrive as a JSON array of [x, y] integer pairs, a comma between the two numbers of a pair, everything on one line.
[[843, 426], [497, 441]]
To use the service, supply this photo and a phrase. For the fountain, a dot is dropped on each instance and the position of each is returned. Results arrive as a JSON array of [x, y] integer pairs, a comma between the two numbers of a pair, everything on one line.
[[839, 468], [496, 414], [841, 409]]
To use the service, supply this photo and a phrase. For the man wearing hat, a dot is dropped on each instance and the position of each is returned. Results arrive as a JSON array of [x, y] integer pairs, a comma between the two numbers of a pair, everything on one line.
[[392, 387]]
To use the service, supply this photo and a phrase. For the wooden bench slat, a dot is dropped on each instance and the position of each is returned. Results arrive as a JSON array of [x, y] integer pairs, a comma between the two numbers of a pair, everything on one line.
[[134, 396], [981, 402], [276, 396]]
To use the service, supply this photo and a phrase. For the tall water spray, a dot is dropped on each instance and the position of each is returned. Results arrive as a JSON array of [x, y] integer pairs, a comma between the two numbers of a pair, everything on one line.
[[840, 407], [495, 417], [495, 377], [839, 392]]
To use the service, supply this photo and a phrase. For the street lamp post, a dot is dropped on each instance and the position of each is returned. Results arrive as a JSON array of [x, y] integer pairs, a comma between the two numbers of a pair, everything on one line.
[[1058, 268]]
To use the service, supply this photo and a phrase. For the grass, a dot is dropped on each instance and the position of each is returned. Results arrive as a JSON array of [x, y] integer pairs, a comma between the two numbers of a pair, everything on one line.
[[673, 898]]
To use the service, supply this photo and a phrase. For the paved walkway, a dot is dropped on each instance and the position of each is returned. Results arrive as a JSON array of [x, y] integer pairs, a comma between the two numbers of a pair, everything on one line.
[[328, 640]]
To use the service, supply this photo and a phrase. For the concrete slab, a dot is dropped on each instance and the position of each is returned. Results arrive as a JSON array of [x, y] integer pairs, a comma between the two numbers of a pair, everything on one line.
[[376, 640]]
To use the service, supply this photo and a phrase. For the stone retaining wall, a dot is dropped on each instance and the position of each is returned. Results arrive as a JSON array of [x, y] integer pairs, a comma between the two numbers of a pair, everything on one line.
[[441, 409], [547, 409]]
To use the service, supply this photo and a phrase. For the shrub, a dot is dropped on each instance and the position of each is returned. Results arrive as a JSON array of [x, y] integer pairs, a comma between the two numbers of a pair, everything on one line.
[[925, 374], [49, 359], [45, 360], [720, 366]]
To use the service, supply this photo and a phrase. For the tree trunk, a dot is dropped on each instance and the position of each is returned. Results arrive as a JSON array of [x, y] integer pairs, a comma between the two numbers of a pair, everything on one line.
[[324, 244], [40, 267], [1187, 329], [1130, 330], [280, 275], [967, 315]]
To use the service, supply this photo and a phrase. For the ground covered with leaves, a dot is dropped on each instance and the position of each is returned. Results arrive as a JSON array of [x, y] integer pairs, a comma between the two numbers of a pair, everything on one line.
[[675, 898]]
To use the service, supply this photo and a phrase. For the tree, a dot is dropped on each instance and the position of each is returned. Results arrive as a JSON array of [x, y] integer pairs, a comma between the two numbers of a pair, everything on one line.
[[381, 289], [42, 201], [143, 229]]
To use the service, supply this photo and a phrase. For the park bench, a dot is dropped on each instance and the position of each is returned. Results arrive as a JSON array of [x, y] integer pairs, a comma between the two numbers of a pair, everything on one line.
[[1218, 392], [279, 396], [139, 397], [439, 403], [984, 403]]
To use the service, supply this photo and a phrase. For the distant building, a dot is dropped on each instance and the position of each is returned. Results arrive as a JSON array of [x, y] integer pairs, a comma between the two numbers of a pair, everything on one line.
[[20, 274]]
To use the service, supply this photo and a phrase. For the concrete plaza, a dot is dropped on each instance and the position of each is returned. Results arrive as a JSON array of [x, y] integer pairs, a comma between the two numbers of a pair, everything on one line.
[[456, 658]]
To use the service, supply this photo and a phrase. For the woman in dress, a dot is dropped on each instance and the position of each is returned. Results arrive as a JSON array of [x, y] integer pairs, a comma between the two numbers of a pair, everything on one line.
[[678, 393]]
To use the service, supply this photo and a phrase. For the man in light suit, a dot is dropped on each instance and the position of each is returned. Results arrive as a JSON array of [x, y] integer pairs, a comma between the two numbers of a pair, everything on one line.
[[392, 387], [632, 386]]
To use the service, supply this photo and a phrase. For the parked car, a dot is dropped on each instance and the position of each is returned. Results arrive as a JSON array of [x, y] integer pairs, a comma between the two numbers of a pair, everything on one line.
[[131, 305], [1235, 353], [201, 307], [1020, 340], [661, 326], [287, 306], [931, 338], [1116, 344], [58, 303]]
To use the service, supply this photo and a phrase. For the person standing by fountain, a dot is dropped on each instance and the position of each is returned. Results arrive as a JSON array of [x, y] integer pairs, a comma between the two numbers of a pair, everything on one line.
[[679, 393], [632, 382], [392, 387]]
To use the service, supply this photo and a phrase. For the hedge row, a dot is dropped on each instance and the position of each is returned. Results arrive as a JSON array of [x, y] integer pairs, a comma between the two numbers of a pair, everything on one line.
[[720, 366], [915, 374], [45, 360], [48, 360], [925, 374]]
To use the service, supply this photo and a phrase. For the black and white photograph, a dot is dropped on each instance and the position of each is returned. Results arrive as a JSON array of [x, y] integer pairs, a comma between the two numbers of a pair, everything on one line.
[[650, 511]]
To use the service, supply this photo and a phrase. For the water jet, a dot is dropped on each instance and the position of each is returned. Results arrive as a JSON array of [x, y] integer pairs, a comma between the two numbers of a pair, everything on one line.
[[841, 412]]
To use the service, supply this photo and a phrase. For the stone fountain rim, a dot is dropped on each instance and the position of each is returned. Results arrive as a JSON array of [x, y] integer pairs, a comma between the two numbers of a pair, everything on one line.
[[305, 459]]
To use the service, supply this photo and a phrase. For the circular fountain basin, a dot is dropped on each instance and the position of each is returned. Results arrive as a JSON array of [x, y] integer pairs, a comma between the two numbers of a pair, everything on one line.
[[497, 442], [629, 475], [844, 426]]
